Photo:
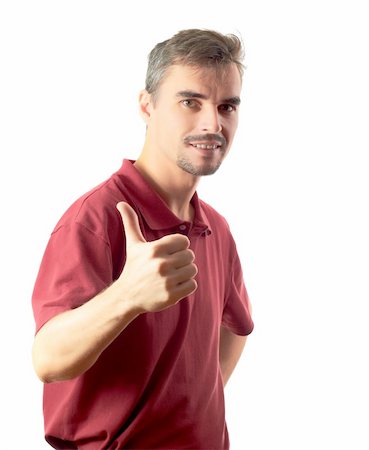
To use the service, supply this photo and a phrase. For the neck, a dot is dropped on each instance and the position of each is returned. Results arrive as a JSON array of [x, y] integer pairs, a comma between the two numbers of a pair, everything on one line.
[[174, 186]]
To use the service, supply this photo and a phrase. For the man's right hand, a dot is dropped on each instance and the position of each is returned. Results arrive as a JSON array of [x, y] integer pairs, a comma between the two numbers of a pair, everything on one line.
[[157, 274]]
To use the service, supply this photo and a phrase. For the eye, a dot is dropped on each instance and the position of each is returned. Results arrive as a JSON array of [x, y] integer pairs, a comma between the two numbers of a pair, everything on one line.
[[189, 103], [227, 108]]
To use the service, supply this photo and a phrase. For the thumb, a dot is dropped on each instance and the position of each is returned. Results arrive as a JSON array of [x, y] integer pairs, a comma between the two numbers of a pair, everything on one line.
[[130, 223]]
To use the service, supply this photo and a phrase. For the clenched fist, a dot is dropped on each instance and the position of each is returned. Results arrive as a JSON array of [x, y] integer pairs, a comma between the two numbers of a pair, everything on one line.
[[157, 274]]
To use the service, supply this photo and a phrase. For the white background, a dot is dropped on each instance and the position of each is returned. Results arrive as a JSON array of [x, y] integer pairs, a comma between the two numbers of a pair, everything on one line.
[[294, 190]]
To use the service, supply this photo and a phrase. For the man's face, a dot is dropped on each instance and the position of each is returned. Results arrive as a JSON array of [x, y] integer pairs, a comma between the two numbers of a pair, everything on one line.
[[194, 117]]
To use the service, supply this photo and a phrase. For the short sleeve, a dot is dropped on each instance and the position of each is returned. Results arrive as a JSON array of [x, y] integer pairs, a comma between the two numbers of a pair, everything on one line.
[[237, 308], [76, 266]]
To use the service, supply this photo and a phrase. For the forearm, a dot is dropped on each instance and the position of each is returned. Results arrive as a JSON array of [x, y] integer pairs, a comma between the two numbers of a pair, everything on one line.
[[70, 343], [230, 350]]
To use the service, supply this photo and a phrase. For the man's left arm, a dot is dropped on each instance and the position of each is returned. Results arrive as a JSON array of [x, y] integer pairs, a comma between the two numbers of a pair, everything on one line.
[[230, 350]]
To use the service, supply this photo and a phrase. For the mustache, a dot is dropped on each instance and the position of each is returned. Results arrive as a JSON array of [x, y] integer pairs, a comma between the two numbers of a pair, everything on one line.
[[206, 137]]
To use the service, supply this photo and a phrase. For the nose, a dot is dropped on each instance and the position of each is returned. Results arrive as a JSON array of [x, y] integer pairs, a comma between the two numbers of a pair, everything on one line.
[[210, 120]]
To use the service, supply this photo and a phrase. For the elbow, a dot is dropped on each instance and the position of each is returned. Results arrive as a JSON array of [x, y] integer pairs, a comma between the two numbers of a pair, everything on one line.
[[41, 371], [47, 373], [50, 367], [45, 378], [43, 358], [46, 366], [41, 365]]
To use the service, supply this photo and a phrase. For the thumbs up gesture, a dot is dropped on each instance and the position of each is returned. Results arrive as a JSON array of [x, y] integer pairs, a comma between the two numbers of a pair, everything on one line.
[[157, 274]]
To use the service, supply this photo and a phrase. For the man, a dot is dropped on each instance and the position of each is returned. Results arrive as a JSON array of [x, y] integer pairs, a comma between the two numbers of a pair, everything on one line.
[[140, 326]]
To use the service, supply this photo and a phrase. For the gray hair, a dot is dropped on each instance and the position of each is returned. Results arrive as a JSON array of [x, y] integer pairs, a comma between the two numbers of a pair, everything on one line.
[[193, 47]]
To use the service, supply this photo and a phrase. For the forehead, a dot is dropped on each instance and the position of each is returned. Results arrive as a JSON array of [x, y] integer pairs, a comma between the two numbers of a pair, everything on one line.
[[223, 82]]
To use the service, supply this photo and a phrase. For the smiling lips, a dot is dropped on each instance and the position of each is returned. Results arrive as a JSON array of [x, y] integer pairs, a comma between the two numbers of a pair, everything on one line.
[[206, 146], [208, 141]]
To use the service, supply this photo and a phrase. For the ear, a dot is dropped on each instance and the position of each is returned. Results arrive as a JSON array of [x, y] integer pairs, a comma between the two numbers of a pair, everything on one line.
[[145, 104]]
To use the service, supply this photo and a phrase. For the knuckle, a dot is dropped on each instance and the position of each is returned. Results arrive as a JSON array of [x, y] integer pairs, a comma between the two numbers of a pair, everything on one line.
[[195, 269], [182, 239], [189, 288], [186, 240], [191, 254], [161, 267], [192, 285], [169, 283], [154, 249]]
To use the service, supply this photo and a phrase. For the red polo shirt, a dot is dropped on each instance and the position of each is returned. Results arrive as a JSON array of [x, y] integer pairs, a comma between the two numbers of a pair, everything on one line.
[[158, 385]]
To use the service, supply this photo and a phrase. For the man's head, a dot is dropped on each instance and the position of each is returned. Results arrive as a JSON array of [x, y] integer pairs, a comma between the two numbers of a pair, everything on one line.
[[196, 48], [190, 103]]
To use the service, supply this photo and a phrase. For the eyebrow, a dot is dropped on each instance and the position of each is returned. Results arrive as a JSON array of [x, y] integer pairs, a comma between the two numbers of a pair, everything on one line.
[[192, 94]]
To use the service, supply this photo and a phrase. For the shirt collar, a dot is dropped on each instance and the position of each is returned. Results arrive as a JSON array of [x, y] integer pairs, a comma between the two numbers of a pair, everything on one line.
[[153, 208]]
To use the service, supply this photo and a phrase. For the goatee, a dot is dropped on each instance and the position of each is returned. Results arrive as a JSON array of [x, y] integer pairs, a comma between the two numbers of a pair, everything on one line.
[[204, 169]]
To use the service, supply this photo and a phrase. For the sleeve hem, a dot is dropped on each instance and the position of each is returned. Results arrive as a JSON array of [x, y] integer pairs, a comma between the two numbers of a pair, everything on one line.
[[241, 331]]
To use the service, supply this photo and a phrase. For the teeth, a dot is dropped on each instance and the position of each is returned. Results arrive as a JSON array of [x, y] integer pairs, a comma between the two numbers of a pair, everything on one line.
[[207, 147]]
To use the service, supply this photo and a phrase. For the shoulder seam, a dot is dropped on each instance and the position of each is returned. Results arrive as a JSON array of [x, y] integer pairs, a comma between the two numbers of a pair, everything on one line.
[[87, 196], [99, 237]]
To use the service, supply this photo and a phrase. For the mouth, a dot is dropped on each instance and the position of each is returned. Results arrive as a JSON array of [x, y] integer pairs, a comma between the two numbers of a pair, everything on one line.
[[207, 143], [206, 146]]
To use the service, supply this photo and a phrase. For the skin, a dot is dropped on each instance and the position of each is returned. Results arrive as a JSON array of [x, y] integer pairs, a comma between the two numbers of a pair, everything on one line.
[[193, 107], [175, 117]]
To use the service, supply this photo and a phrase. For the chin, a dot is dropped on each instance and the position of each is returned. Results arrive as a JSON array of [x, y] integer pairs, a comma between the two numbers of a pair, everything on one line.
[[198, 169]]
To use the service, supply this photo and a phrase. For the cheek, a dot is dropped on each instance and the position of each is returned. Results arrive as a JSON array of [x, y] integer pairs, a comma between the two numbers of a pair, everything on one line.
[[173, 124], [230, 128], [180, 124]]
